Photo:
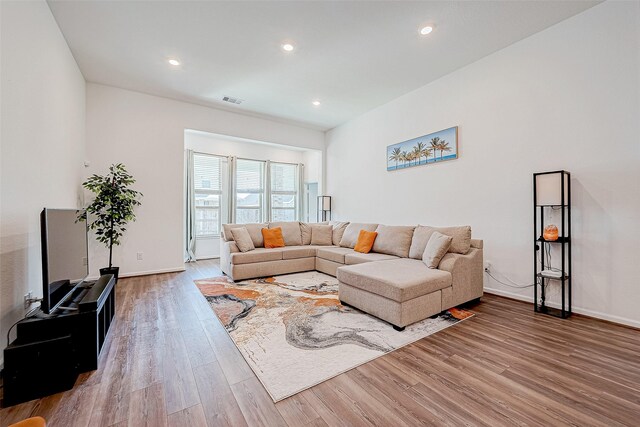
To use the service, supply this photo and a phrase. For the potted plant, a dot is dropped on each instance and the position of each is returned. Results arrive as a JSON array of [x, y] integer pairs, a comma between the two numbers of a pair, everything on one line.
[[112, 208]]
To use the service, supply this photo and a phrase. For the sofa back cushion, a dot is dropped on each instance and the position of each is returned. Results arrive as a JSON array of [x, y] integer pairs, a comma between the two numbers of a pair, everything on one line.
[[460, 244], [305, 232], [437, 247], [351, 232], [290, 232], [393, 240], [338, 231], [243, 240], [321, 235], [253, 229]]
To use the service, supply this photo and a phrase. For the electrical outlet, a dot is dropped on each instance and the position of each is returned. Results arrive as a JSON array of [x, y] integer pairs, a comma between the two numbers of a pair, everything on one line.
[[27, 299], [139, 256], [487, 266]]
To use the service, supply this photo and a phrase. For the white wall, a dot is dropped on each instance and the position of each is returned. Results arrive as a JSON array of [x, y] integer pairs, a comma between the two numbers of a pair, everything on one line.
[[42, 143], [209, 247], [565, 98], [313, 167], [146, 133], [209, 143]]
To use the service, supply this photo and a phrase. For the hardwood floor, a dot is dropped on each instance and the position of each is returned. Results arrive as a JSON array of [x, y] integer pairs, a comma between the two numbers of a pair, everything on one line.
[[169, 362]]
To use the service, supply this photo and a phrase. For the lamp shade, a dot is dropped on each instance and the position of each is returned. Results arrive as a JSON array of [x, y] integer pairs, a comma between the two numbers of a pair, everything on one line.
[[325, 203], [549, 189]]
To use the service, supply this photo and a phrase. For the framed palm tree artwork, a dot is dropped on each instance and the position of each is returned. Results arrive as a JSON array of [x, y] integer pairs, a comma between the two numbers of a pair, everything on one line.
[[424, 150]]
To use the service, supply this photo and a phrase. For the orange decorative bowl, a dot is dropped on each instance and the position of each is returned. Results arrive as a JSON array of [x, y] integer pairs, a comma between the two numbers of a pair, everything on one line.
[[550, 232]]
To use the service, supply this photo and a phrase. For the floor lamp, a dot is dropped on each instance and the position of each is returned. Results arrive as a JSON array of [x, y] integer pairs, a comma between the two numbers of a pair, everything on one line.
[[324, 206]]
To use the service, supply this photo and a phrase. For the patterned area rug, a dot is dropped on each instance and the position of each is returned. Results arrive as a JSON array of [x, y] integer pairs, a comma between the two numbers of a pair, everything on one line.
[[294, 333]]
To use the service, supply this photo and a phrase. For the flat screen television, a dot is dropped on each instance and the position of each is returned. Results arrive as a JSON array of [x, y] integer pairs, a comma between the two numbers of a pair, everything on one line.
[[65, 254]]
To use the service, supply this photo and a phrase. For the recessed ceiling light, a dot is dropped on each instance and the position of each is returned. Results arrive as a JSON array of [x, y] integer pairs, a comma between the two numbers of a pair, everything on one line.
[[174, 62], [426, 30], [316, 103], [288, 47]]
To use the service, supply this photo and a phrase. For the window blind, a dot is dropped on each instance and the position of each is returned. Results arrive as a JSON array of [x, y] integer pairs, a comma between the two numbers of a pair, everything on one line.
[[283, 192], [249, 175], [207, 172], [283, 177], [249, 185]]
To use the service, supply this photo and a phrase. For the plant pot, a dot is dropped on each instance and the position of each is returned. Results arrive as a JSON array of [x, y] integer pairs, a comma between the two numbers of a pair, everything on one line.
[[112, 270]]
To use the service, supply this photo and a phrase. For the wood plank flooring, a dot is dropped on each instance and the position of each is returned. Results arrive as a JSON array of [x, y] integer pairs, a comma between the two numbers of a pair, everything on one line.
[[169, 362]]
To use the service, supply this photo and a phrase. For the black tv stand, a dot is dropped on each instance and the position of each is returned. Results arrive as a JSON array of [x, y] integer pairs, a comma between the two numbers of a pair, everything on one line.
[[52, 349]]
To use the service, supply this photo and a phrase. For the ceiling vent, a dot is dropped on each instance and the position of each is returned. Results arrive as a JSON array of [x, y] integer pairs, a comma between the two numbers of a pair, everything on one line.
[[232, 100]]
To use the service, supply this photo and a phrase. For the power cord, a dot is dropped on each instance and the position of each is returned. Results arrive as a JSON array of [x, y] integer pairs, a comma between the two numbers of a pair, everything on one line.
[[26, 316], [486, 270]]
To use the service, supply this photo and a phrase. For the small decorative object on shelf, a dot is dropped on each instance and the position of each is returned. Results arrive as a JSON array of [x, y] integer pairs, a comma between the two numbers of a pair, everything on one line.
[[552, 199], [324, 206], [550, 233]]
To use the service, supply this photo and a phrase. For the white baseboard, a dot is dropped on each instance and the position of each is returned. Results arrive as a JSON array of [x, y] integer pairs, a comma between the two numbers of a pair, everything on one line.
[[145, 273], [578, 310]]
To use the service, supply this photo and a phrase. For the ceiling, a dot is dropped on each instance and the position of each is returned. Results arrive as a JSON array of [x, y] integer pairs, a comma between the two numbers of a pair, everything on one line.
[[352, 56]]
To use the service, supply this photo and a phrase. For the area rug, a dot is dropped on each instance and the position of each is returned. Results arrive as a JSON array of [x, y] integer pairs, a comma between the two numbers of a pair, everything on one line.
[[294, 333]]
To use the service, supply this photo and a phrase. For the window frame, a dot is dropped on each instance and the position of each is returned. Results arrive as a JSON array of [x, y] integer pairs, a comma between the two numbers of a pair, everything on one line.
[[262, 192], [218, 193], [295, 193]]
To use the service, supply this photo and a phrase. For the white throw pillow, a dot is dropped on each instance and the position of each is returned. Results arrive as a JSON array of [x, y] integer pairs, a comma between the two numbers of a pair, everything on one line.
[[338, 231], [243, 239], [460, 244], [321, 235], [437, 247]]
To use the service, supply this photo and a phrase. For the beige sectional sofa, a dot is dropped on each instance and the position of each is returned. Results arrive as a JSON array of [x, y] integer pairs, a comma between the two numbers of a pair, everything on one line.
[[391, 282]]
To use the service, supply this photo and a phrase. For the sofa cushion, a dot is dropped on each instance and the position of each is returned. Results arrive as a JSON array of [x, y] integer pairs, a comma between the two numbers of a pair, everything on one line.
[[351, 232], [321, 235], [358, 258], [437, 247], [254, 229], [242, 239], [460, 244], [305, 232], [393, 240], [399, 279], [256, 255], [303, 251], [338, 231], [290, 232], [333, 253]]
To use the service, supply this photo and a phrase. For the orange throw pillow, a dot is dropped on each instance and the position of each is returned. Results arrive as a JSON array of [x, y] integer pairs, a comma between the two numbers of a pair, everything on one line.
[[365, 241], [273, 237]]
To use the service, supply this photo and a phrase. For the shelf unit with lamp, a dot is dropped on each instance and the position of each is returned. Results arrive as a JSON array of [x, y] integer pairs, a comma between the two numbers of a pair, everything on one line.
[[552, 194]]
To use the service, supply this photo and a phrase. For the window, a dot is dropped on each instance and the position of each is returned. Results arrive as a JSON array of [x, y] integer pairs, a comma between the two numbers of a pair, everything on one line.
[[208, 192], [249, 191], [284, 192]]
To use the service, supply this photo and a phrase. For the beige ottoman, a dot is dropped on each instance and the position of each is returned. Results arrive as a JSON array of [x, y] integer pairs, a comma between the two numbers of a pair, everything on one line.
[[400, 291]]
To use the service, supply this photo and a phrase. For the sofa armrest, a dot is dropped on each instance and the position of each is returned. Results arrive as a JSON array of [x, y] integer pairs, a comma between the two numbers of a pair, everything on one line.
[[226, 249], [467, 280]]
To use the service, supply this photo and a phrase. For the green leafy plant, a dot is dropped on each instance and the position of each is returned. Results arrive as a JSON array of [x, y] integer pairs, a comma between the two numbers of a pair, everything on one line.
[[113, 206]]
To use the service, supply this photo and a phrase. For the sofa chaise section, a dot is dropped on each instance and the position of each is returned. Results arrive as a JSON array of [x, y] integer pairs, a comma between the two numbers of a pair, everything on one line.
[[400, 291]]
